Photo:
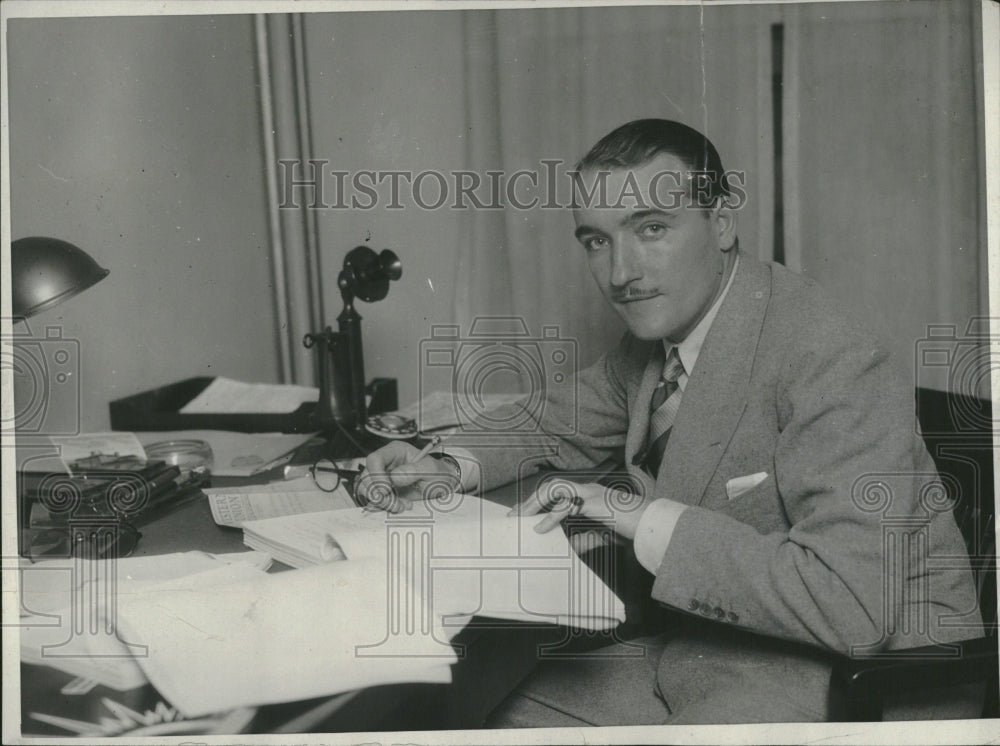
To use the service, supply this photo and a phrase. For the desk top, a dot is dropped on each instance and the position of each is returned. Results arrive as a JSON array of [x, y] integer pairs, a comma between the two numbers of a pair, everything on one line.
[[506, 653]]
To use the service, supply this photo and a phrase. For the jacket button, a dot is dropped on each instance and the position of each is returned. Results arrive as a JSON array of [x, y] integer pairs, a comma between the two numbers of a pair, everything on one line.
[[693, 604], [705, 609], [719, 613], [733, 617]]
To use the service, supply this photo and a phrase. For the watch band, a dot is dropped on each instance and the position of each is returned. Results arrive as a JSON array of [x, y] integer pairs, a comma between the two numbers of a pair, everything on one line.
[[452, 463]]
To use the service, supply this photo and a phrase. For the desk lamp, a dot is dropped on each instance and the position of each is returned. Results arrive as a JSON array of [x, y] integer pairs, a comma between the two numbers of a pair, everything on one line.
[[366, 276], [46, 271], [43, 273]]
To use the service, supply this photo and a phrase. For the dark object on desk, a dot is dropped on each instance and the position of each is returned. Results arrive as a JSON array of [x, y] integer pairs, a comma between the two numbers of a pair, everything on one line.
[[158, 409], [92, 512], [959, 431], [366, 276]]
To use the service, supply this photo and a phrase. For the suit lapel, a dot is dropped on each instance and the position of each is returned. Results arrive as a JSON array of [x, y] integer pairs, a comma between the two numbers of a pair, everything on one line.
[[716, 392]]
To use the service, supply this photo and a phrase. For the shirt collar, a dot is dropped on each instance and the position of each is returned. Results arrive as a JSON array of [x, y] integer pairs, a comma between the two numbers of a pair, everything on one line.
[[689, 349]]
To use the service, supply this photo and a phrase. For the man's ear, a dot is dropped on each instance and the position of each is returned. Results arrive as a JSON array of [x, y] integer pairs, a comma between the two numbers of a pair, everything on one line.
[[724, 220]]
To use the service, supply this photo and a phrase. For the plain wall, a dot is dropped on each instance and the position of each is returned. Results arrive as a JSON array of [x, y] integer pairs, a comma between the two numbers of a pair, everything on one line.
[[138, 140], [386, 93]]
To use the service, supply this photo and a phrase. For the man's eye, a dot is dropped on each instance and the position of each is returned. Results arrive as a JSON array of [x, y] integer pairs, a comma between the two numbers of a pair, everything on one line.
[[652, 230], [595, 243]]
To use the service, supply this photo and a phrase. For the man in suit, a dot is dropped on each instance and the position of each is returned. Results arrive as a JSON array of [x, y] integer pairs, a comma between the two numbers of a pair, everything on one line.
[[767, 436]]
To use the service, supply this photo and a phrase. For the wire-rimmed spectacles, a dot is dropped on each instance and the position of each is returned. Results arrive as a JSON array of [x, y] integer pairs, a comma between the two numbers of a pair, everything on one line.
[[328, 476]]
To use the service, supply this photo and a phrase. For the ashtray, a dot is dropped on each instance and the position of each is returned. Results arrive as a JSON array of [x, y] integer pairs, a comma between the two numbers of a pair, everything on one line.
[[187, 455]]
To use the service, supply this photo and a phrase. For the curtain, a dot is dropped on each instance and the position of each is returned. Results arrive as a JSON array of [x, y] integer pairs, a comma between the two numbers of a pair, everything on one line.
[[881, 195], [878, 140], [882, 178], [545, 85]]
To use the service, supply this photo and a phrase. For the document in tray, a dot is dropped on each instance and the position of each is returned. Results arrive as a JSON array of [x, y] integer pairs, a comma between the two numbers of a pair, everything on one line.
[[68, 611], [236, 454], [442, 409], [283, 637], [226, 396], [476, 559]]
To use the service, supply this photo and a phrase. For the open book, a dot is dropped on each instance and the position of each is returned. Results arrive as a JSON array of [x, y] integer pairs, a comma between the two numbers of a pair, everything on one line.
[[467, 555]]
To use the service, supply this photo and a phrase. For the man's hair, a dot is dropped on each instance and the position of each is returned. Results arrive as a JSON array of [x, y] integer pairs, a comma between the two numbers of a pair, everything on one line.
[[638, 142]]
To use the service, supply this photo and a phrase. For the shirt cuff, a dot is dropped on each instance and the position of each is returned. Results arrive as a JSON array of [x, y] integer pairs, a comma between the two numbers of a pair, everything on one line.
[[468, 469], [656, 527]]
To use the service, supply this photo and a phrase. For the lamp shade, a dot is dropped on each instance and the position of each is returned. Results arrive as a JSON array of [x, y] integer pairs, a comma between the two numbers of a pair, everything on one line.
[[46, 271]]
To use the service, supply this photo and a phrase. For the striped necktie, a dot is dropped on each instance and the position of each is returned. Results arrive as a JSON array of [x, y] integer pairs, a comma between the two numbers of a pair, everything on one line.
[[663, 409]]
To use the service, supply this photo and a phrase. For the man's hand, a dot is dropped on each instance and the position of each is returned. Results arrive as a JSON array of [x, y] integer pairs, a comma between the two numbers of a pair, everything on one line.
[[617, 509], [392, 480]]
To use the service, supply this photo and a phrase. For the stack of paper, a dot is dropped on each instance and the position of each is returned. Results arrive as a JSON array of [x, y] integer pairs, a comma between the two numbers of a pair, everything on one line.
[[476, 560], [281, 637]]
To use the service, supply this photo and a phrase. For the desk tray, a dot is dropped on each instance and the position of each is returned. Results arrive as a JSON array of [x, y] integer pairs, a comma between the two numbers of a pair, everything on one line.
[[158, 409]]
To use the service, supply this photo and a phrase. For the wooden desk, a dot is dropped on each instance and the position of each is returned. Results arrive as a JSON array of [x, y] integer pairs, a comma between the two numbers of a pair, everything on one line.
[[497, 656]]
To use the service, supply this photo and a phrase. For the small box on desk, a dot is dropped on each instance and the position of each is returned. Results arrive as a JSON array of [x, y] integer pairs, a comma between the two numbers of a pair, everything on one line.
[[159, 409]]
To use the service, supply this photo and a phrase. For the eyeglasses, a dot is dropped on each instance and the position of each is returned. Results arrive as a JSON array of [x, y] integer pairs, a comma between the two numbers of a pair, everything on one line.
[[87, 541], [328, 476]]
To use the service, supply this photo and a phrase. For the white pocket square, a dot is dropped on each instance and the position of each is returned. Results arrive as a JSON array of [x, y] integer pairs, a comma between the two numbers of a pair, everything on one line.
[[740, 485]]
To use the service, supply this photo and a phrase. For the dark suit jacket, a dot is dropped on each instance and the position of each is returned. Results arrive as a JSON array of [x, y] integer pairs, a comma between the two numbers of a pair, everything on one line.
[[844, 545]]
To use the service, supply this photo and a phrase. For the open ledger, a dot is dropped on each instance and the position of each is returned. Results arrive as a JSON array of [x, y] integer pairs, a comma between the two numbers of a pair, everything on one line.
[[470, 558]]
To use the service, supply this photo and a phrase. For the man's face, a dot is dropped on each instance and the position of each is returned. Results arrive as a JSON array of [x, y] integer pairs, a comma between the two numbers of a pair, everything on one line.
[[658, 259]]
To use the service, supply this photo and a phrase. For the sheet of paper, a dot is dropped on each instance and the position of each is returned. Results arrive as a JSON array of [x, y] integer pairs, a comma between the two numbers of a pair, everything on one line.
[[441, 409], [227, 396], [235, 508], [299, 484], [236, 454], [281, 637], [78, 634], [480, 561], [107, 444], [47, 585]]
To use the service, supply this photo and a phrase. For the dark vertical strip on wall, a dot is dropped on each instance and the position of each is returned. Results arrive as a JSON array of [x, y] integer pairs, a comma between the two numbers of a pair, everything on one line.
[[777, 84]]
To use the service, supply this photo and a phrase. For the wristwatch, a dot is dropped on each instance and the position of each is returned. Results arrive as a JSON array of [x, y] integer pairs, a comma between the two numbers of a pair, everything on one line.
[[453, 466]]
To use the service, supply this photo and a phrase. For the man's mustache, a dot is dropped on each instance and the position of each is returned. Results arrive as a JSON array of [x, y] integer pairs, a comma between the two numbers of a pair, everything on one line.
[[631, 294]]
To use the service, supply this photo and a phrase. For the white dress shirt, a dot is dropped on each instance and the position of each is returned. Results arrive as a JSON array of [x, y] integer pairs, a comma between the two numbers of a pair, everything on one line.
[[658, 520]]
